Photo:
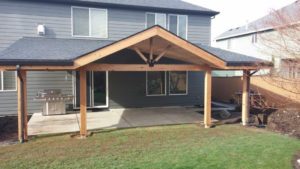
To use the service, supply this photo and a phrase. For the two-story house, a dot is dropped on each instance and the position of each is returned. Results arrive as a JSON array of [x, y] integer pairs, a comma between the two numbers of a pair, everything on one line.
[[109, 54], [252, 39]]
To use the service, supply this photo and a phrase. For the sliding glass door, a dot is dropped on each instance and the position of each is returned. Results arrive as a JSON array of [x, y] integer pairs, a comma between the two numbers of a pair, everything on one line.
[[96, 88]]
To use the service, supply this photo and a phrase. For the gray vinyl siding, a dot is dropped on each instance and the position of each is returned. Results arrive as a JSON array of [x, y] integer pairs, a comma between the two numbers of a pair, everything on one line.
[[199, 29], [128, 89], [36, 81], [39, 80], [20, 18]]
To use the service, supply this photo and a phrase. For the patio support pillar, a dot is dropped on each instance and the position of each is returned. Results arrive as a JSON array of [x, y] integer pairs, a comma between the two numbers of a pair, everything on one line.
[[83, 125], [22, 105], [207, 99], [245, 97]]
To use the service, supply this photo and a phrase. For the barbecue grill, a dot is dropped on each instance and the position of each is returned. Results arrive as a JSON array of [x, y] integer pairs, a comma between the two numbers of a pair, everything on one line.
[[53, 101]]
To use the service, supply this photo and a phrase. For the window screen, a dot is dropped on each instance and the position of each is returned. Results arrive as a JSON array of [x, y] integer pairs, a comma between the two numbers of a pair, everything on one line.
[[9, 80], [178, 82], [156, 83], [81, 21]]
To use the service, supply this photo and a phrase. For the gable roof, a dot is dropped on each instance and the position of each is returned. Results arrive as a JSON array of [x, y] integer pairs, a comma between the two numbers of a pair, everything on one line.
[[261, 24], [165, 5], [79, 52]]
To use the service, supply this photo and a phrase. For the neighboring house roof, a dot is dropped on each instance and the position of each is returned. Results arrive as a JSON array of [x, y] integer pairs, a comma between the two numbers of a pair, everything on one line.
[[63, 52], [261, 24], [169, 5]]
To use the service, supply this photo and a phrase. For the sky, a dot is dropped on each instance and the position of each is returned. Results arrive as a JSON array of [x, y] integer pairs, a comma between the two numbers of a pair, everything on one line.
[[235, 13]]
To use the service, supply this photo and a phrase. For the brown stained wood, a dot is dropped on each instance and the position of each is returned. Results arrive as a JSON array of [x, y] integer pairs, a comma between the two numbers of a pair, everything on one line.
[[212, 60], [143, 67], [162, 53], [38, 68], [151, 49], [25, 130], [83, 124], [245, 97], [207, 99], [125, 43], [140, 54]]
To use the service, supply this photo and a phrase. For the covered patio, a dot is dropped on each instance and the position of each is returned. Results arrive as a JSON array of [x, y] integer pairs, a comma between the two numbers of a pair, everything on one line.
[[114, 119], [156, 42]]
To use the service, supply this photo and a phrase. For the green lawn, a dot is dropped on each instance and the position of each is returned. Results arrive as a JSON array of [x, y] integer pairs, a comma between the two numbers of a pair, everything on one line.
[[167, 147]]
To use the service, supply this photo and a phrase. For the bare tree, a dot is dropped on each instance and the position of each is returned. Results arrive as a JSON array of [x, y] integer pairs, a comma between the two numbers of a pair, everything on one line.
[[281, 41]]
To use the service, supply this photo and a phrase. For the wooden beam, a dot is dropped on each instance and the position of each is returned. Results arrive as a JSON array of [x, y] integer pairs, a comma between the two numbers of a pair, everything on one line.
[[83, 125], [19, 90], [37, 68], [141, 54], [207, 99], [151, 49], [245, 101], [162, 53], [205, 56], [144, 67], [122, 44], [254, 67]]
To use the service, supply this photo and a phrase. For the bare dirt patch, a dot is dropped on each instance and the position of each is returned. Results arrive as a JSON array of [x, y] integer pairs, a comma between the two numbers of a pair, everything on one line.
[[285, 122], [9, 129]]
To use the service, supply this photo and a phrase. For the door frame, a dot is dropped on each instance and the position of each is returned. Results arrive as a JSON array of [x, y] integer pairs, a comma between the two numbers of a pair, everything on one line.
[[92, 91]]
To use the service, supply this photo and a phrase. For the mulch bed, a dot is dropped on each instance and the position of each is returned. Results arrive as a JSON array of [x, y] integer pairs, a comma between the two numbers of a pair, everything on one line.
[[9, 129]]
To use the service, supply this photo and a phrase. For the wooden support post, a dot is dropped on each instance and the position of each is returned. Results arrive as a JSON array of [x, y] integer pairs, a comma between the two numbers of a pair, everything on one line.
[[141, 54], [83, 125], [245, 101], [20, 104], [207, 99], [151, 49], [162, 53]]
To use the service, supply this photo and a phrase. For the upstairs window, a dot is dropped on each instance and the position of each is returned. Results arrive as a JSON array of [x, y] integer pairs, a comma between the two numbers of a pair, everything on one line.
[[8, 81], [178, 25], [254, 38], [229, 44], [89, 22], [156, 19]]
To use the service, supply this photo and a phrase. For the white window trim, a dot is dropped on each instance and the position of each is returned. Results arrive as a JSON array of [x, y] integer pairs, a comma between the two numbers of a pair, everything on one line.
[[2, 83], [90, 28], [187, 21], [165, 94], [187, 85], [155, 18]]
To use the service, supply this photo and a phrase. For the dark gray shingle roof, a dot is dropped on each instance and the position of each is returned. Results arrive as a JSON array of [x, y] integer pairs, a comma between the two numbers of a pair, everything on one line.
[[291, 11], [231, 58], [54, 51], [49, 51], [149, 4]]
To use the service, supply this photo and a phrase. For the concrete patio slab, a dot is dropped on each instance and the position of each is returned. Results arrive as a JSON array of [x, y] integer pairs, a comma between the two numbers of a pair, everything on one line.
[[113, 119]]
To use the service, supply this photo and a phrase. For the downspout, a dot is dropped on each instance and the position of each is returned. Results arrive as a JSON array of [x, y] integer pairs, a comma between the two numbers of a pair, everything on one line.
[[22, 102]]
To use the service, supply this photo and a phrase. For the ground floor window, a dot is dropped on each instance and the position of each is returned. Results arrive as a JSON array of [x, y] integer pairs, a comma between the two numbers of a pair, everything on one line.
[[156, 83], [8, 81], [178, 83]]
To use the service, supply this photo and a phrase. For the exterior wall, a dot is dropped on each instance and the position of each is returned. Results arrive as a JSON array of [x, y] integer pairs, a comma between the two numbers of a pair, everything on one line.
[[36, 81], [243, 45], [128, 89], [20, 18]]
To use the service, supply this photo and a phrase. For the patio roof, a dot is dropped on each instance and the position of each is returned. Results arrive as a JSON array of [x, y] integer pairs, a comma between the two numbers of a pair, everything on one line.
[[75, 53], [82, 55]]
